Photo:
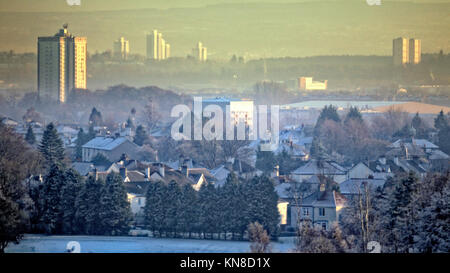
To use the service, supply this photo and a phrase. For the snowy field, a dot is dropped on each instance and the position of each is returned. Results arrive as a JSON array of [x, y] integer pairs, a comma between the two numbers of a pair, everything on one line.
[[106, 244]]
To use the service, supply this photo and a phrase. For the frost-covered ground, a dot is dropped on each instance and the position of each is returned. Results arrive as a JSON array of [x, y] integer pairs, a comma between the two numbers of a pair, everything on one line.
[[106, 244]]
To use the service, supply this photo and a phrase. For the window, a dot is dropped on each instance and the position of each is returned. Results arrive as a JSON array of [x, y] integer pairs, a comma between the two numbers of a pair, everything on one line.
[[321, 211], [139, 201], [305, 212], [324, 226]]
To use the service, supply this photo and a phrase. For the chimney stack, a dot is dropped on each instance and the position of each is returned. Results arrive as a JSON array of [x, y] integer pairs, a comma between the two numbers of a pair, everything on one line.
[[95, 174], [147, 173], [123, 172], [161, 170], [185, 170]]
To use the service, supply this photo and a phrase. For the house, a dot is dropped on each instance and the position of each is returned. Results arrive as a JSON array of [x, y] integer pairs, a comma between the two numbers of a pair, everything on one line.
[[111, 148], [360, 170], [322, 208], [240, 168], [354, 186], [314, 167]]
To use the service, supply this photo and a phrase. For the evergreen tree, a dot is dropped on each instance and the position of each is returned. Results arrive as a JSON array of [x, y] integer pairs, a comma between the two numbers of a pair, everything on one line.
[[353, 114], [234, 204], [52, 211], [433, 225], [87, 216], [81, 140], [70, 191], [91, 133], [444, 139], [171, 206], [154, 207], [51, 146], [206, 205], [187, 215], [440, 122], [328, 112], [402, 215], [262, 204], [95, 119], [115, 213], [30, 137], [265, 161], [141, 136], [100, 159]]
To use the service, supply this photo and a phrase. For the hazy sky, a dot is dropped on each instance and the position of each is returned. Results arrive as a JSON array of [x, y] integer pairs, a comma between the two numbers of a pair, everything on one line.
[[92, 5], [253, 28]]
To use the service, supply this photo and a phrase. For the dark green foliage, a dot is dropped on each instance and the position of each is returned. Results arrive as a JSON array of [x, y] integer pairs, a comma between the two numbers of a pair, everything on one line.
[[30, 137], [211, 210], [95, 119], [328, 112], [71, 189], [87, 216], [141, 136], [51, 146], [353, 114], [172, 198], [115, 212], [265, 161], [154, 211], [262, 203], [82, 138], [187, 215], [101, 160], [17, 162], [440, 122], [51, 205]]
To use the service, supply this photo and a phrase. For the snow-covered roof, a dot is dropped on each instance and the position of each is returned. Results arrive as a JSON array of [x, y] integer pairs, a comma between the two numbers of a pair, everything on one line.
[[105, 143], [352, 186], [328, 168]]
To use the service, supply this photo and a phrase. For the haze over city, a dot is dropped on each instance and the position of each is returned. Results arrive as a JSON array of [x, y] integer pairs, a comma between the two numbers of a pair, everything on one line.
[[254, 29]]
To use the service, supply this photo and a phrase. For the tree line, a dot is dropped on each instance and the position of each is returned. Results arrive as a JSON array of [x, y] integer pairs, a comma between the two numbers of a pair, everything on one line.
[[179, 211], [408, 215]]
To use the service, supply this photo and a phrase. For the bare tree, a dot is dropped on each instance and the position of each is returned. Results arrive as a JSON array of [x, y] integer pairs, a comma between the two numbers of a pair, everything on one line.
[[260, 240]]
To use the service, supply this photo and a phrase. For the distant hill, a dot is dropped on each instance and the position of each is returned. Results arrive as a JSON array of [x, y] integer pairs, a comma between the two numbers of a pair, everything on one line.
[[251, 29]]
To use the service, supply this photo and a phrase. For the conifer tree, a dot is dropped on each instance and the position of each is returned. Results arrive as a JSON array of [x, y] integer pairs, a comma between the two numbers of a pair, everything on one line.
[[141, 136], [81, 140], [171, 206], [30, 137], [187, 215], [51, 146], [70, 191], [154, 207], [115, 213], [233, 205], [51, 210], [87, 216]]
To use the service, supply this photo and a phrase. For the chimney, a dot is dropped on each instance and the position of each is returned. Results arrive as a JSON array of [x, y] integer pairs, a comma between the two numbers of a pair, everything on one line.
[[95, 174], [123, 172], [229, 165], [161, 170], [185, 170], [147, 173]]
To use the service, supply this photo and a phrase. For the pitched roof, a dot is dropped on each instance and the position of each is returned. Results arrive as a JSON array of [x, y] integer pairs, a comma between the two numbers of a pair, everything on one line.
[[329, 168], [326, 198], [351, 186], [105, 143]]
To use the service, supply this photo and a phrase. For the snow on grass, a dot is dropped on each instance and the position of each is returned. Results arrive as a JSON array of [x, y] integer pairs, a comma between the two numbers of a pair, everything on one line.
[[127, 244]]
